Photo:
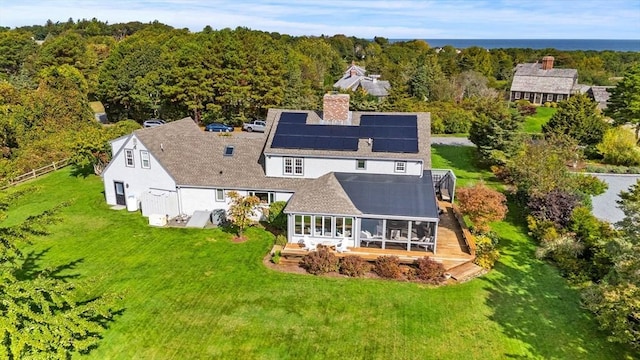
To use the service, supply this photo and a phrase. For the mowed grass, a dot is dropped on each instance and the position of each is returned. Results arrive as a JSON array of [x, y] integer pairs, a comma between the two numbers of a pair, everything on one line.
[[194, 294], [533, 124]]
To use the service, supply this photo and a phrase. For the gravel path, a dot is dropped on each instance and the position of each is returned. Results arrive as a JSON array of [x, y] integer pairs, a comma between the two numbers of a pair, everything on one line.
[[457, 141]]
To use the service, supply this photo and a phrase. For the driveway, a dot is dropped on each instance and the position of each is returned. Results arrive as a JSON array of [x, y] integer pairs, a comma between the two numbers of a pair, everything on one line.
[[456, 141], [605, 206]]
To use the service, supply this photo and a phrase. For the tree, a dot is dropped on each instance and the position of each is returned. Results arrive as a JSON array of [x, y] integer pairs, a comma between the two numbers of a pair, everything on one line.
[[618, 147], [541, 166], [624, 102], [482, 205], [41, 314], [496, 130], [616, 300], [91, 147], [578, 117], [241, 209], [555, 206]]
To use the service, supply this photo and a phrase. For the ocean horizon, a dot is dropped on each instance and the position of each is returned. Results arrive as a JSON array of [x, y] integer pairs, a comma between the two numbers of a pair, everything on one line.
[[559, 44]]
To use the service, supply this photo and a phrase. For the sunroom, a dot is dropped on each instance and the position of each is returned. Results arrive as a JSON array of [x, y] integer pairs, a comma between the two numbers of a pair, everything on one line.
[[367, 210]]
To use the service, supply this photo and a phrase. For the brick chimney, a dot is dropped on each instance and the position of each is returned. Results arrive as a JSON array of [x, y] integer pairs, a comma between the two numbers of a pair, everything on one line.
[[547, 63], [352, 71], [335, 108]]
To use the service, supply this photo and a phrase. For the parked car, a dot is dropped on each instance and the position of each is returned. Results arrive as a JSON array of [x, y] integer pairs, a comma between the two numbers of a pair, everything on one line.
[[255, 125], [217, 127], [153, 122]]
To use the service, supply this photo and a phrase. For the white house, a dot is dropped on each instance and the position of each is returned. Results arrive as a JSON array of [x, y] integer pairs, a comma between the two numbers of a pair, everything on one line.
[[364, 177]]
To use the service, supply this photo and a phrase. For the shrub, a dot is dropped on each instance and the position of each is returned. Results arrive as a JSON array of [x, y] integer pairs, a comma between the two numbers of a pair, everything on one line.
[[429, 271], [542, 230], [457, 121], [437, 125], [319, 262], [482, 205], [619, 147], [565, 251], [276, 217], [354, 266], [276, 257], [388, 267], [486, 252], [589, 185], [555, 206], [525, 108], [281, 240]]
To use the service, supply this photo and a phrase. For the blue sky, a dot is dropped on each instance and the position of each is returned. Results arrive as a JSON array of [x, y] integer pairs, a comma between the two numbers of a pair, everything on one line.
[[405, 19]]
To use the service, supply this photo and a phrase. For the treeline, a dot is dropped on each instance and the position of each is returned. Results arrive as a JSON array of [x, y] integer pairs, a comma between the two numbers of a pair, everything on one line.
[[139, 71]]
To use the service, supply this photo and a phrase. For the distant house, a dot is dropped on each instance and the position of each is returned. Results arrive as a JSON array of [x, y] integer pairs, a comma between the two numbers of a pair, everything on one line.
[[541, 82], [355, 77]]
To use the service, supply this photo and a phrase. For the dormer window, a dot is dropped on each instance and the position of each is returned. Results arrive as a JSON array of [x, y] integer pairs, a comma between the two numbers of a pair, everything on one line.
[[228, 150]]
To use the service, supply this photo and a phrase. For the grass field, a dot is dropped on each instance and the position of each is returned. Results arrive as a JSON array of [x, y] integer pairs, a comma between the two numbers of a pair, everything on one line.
[[533, 124], [194, 294]]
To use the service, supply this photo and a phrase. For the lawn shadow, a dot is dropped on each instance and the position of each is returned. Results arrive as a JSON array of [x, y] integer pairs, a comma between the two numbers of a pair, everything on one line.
[[532, 303], [82, 171], [30, 269]]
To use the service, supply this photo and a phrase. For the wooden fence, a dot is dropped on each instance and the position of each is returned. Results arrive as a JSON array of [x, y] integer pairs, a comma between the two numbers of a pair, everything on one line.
[[468, 237], [35, 173]]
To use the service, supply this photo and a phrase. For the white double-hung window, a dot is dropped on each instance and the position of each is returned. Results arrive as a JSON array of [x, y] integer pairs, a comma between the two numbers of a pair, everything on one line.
[[293, 166], [128, 158]]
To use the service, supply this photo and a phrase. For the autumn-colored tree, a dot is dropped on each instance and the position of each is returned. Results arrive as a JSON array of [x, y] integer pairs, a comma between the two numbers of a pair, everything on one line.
[[241, 209], [482, 205]]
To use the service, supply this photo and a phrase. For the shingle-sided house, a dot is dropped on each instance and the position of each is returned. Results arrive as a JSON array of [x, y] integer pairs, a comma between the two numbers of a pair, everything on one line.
[[541, 82], [359, 177], [355, 77]]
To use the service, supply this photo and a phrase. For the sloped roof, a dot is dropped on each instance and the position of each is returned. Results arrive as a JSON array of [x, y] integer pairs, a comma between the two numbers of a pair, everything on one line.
[[196, 158], [364, 150], [600, 94], [392, 195], [323, 195], [355, 77], [531, 78], [375, 87]]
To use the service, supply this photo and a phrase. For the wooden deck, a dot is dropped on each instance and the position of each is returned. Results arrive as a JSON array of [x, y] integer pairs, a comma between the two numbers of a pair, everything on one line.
[[451, 249]]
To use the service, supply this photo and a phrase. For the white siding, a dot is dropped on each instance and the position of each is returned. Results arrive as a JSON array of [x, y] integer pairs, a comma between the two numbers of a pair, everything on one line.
[[136, 179], [117, 144], [192, 199], [316, 167]]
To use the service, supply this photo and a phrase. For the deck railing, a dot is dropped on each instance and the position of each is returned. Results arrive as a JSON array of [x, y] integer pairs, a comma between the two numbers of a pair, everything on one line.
[[468, 237], [36, 173]]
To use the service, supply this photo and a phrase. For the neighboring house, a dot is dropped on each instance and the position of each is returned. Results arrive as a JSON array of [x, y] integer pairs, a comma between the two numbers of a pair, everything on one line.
[[98, 112], [541, 82], [360, 176], [355, 77]]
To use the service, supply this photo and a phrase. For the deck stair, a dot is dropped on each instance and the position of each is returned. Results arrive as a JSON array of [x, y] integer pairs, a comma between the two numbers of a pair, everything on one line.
[[466, 271]]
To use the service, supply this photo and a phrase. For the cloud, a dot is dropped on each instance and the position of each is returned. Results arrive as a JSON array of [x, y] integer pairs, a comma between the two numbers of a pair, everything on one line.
[[586, 19]]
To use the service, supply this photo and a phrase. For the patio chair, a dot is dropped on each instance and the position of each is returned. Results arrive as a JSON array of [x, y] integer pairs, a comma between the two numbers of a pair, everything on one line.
[[366, 237], [427, 242], [309, 244], [342, 246]]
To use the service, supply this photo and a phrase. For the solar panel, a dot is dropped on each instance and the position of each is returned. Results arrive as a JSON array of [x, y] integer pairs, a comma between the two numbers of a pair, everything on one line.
[[390, 133], [293, 118]]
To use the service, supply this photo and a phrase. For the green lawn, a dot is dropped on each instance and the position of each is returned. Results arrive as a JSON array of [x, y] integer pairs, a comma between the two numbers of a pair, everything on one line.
[[533, 124], [194, 294]]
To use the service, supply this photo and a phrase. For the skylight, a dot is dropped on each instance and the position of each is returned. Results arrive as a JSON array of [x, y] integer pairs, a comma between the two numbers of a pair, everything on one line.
[[228, 150]]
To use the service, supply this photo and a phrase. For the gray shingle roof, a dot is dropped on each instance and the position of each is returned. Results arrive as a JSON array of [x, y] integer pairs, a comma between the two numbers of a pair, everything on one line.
[[323, 195], [372, 86], [364, 150], [531, 78], [195, 158], [600, 95]]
